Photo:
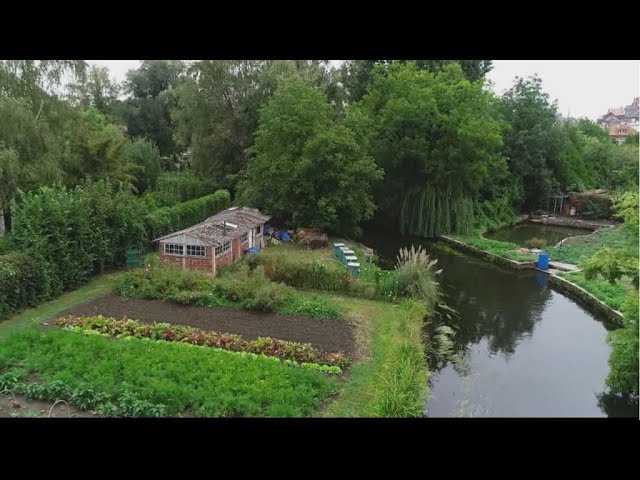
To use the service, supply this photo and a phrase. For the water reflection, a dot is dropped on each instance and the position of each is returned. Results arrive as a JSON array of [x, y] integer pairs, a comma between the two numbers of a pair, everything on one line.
[[521, 348]]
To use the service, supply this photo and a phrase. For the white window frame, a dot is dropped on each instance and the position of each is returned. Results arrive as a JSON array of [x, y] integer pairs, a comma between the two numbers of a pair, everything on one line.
[[197, 247], [223, 249], [244, 238], [173, 246]]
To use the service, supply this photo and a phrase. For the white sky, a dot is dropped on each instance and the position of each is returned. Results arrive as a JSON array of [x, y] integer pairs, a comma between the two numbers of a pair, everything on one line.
[[582, 87]]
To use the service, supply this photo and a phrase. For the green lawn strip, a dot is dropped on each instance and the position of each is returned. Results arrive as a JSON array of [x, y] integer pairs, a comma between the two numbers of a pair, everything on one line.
[[613, 295], [502, 249], [95, 288], [392, 382], [588, 245], [182, 377]]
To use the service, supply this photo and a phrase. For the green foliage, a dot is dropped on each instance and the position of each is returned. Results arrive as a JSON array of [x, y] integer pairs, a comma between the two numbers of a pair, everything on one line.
[[307, 170], [182, 215], [153, 95], [626, 206], [534, 142], [416, 276], [493, 214], [281, 266], [502, 249], [612, 265], [127, 328], [242, 287], [181, 186], [431, 133], [432, 212], [180, 377], [623, 362], [613, 294], [536, 242], [596, 209], [145, 155], [79, 232], [23, 282], [95, 90], [588, 245]]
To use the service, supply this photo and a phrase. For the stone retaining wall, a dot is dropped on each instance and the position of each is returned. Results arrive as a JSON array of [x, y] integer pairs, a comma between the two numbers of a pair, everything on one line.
[[574, 291], [582, 296], [489, 256]]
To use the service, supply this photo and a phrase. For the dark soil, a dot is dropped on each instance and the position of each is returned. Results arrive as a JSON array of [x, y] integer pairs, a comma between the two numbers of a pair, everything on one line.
[[326, 335]]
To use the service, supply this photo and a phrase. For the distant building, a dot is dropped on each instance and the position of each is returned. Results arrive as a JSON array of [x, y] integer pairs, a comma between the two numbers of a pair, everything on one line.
[[621, 122], [618, 133]]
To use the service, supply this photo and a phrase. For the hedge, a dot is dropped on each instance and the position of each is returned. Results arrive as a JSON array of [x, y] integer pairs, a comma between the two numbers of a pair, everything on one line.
[[170, 219], [23, 282]]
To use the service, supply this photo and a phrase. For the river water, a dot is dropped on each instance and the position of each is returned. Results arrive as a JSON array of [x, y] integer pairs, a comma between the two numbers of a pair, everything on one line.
[[521, 348]]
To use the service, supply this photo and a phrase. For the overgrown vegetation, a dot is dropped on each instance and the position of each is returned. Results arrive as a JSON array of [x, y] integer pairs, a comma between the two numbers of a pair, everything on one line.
[[240, 288], [392, 380], [181, 378]]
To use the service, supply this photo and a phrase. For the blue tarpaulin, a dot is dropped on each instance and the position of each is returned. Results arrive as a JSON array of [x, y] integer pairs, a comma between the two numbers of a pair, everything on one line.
[[253, 250], [284, 236]]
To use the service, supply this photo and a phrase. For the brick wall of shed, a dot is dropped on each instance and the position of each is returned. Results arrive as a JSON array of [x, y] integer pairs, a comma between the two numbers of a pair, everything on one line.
[[188, 263]]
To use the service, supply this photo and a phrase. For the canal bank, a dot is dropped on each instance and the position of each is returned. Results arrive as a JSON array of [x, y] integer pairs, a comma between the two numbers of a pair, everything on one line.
[[520, 346]]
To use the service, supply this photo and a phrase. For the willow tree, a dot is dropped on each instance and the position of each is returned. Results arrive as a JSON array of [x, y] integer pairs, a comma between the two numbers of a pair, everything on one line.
[[438, 137]]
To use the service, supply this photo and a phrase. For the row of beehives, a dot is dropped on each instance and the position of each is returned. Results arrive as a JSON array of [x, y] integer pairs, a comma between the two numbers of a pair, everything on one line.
[[348, 257]]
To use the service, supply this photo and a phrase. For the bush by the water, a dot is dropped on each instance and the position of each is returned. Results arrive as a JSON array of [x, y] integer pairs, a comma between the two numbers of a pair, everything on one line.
[[536, 242]]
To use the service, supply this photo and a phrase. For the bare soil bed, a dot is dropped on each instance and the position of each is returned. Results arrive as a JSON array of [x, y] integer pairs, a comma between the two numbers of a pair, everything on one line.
[[326, 335]]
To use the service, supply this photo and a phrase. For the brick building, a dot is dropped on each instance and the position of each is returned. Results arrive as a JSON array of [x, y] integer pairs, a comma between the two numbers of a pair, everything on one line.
[[218, 241]]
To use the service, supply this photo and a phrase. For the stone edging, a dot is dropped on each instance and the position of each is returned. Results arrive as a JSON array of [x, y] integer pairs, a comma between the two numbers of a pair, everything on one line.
[[575, 291], [488, 255], [587, 298]]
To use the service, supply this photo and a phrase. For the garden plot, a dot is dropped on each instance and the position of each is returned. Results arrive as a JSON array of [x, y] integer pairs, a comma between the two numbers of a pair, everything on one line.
[[325, 335]]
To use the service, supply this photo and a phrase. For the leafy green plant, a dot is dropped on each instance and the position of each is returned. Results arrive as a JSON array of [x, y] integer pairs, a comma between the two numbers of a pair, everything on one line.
[[148, 378], [128, 328], [536, 242]]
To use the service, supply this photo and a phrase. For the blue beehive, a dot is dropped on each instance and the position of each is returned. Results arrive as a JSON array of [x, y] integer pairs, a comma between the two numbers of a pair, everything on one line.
[[543, 261]]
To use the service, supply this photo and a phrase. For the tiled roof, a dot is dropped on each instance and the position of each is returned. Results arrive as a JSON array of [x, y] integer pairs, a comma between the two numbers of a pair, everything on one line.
[[238, 220], [617, 111]]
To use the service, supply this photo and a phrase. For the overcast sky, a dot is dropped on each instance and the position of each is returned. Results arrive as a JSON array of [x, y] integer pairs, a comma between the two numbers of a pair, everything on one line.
[[582, 87]]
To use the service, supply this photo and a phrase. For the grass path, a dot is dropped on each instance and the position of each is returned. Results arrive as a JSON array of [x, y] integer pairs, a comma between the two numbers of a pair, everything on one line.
[[96, 287]]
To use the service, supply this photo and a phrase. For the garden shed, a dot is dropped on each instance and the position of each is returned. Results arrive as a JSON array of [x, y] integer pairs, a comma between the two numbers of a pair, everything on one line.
[[218, 241]]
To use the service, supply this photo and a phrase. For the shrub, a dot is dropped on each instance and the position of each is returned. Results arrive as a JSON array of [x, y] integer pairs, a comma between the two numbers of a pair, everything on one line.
[[415, 275], [23, 282], [536, 242], [304, 275], [177, 187]]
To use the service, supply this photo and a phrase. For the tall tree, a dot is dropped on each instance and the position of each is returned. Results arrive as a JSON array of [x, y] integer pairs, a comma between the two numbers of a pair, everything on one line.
[[147, 113], [308, 170], [534, 142], [357, 75], [95, 90], [430, 132]]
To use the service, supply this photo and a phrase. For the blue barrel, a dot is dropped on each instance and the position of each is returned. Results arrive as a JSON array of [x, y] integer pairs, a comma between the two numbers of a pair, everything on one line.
[[543, 261]]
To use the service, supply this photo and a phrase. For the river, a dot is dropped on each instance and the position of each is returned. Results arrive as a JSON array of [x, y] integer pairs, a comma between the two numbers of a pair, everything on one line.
[[522, 348]]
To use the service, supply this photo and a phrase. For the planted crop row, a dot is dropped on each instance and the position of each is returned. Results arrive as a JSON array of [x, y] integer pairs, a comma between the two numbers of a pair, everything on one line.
[[272, 347]]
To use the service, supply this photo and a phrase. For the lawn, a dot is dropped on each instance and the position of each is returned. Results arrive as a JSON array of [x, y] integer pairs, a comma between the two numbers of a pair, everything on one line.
[[613, 295], [582, 248], [170, 378], [502, 249]]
